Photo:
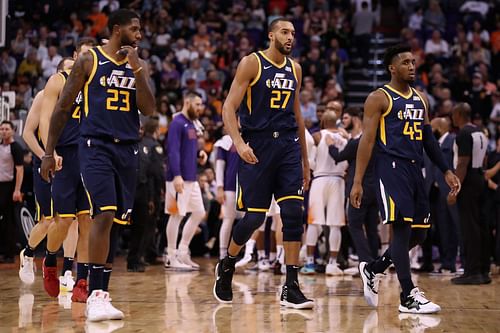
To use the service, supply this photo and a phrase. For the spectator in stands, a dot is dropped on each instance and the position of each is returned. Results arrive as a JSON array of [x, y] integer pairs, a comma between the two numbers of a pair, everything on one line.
[[99, 20], [478, 32], [437, 46], [49, 64], [195, 72], [308, 108], [363, 22], [8, 65], [30, 66], [434, 18]]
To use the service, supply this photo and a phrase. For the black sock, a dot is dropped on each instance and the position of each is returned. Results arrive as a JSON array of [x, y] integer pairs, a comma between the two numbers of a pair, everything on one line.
[[382, 263], [229, 262], [95, 277], [105, 278], [406, 286], [82, 271], [292, 272], [67, 264], [50, 259], [29, 252]]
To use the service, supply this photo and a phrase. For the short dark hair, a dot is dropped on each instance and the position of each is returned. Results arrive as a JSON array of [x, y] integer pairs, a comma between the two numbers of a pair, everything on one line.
[[10, 123], [191, 95], [393, 51], [364, 4], [121, 17], [354, 112], [85, 41], [151, 125], [274, 22], [464, 110], [60, 65]]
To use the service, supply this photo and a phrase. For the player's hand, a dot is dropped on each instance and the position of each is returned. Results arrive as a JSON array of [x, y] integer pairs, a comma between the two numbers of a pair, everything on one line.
[[246, 153], [151, 207], [48, 167], [17, 196], [451, 199], [453, 182], [490, 173], [131, 55], [220, 195], [356, 195], [202, 157], [343, 132], [59, 161], [178, 184], [306, 171], [492, 185]]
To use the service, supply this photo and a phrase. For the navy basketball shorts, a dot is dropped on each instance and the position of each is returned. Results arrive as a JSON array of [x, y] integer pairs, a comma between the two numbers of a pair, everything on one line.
[[401, 194], [68, 193], [278, 172], [42, 189], [109, 172]]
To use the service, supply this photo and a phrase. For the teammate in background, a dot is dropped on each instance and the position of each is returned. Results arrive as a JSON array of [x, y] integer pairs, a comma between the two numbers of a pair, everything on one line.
[[396, 122], [115, 87], [328, 191], [265, 89], [362, 221], [183, 193], [226, 167], [68, 195], [44, 214]]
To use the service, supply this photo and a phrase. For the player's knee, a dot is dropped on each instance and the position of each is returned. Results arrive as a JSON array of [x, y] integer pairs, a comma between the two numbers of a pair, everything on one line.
[[291, 214], [246, 227]]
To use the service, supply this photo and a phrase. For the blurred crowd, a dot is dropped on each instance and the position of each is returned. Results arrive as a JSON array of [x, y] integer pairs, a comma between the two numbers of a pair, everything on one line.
[[194, 46]]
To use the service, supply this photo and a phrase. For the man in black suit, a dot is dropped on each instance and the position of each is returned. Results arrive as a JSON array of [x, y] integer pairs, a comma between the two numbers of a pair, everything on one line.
[[446, 215]]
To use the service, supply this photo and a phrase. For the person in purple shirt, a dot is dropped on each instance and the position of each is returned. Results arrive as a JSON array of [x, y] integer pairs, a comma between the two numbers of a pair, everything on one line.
[[183, 193], [226, 168]]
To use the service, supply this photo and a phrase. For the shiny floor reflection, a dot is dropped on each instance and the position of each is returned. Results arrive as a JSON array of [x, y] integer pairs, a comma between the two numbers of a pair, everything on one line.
[[160, 301]]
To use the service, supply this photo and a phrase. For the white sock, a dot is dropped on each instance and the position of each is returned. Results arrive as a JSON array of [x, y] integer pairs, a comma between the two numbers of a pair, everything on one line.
[[189, 230], [225, 232], [310, 260], [172, 233], [335, 238], [249, 247], [332, 260], [272, 256], [261, 254]]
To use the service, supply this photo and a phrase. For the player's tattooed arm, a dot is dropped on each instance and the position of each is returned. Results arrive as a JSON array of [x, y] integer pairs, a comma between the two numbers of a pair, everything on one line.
[[145, 98], [375, 104], [301, 128], [74, 84]]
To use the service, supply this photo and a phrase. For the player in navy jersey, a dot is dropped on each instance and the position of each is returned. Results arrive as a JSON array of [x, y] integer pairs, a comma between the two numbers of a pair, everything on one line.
[[273, 151], [396, 122], [44, 215], [69, 198], [115, 88]]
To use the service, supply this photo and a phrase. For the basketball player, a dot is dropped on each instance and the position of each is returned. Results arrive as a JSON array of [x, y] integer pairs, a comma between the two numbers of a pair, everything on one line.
[[44, 215], [265, 89], [68, 194], [115, 88], [328, 194], [183, 193], [396, 122], [226, 167]]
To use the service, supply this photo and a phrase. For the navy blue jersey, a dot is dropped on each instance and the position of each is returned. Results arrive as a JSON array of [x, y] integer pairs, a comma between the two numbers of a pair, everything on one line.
[[70, 133], [401, 125], [109, 100], [269, 99]]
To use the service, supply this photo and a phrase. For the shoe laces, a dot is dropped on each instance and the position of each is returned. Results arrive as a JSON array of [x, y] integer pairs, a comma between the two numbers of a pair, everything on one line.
[[419, 296]]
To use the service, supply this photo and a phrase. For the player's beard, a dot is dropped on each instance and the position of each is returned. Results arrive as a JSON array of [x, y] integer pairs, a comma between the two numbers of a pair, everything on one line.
[[125, 41], [349, 126], [281, 47], [192, 114]]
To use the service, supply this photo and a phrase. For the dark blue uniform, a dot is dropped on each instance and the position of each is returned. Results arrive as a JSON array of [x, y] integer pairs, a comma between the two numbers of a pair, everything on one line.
[[68, 192], [109, 134], [268, 125], [399, 159], [41, 188]]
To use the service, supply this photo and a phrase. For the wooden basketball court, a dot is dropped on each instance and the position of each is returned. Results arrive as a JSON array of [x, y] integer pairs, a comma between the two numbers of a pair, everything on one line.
[[160, 301]]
